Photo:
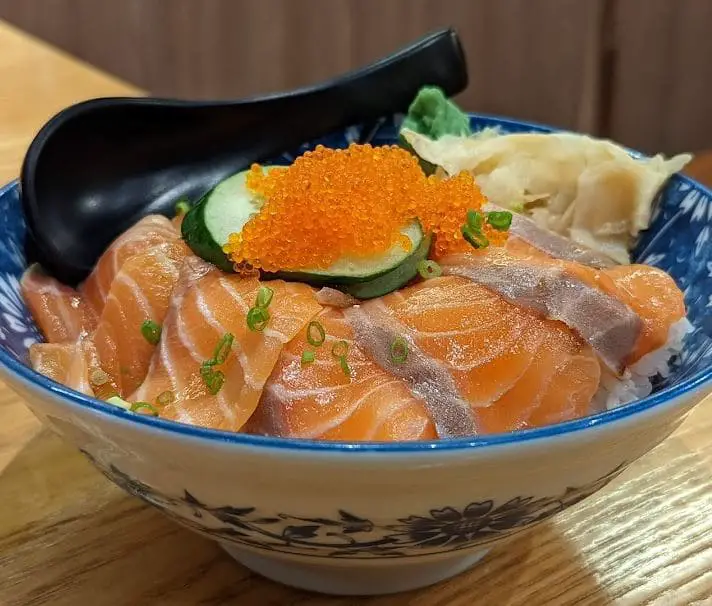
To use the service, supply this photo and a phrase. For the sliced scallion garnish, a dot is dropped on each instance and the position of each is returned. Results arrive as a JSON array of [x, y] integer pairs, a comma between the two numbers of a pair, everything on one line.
[[316, 335], [182, 207], [214, 381], [308, 356], [500, 220], [206, 368], [476, 238], [257, 319], [474, 220], [340, 349], [345, 366], [119, 401], [151, 331], [264, 297], [429, 269], [165, 398], [139, 406], [222, 349], [212, 378], [399, 350], [97, 377]]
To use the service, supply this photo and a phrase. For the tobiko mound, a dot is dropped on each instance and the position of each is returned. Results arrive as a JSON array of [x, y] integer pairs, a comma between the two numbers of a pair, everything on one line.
[[351, 296]]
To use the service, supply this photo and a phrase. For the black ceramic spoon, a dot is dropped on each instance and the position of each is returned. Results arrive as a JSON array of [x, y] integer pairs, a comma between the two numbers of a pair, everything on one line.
[[97, 167]]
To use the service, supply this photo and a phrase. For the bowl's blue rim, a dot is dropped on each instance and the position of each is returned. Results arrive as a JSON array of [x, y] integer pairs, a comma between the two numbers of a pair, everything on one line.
[[27, 374]]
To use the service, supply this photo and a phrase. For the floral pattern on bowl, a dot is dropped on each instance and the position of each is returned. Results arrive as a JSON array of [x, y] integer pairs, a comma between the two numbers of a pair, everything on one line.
[[210, 481], [348, 535]]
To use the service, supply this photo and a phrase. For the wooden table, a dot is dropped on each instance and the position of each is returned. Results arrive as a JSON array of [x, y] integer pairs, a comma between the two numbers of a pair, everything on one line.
[[69, 537]]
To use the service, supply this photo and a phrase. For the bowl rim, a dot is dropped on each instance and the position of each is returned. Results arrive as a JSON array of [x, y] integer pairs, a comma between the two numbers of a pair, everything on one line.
[[691, 384]]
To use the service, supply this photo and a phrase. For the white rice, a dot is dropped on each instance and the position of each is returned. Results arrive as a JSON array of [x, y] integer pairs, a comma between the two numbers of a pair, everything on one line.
[[635, 383]]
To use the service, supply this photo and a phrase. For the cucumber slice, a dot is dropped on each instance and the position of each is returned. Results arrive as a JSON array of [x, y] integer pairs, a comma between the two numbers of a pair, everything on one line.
[[392, 280], [222, 211], [230, 205], [350, 270]]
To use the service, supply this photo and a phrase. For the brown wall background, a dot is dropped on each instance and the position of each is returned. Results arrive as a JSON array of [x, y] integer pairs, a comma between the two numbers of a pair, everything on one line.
[[635, 70]]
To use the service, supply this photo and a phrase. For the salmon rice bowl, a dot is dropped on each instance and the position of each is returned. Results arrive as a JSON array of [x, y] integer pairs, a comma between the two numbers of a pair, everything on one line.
[[451, 285]]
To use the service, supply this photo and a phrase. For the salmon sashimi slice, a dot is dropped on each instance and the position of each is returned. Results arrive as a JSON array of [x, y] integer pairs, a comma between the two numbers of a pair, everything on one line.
[[67, 363], [526, 236], [507, 362], [59, 311], [141, 291], [558, 384], [52, 359], [655, 297], [569, 392], [320, 401], [147, 233], [207, 304], [624, 312], [559, 290]]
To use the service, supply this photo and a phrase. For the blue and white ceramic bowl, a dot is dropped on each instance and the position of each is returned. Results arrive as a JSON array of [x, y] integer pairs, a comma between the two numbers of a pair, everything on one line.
[[373, 518]]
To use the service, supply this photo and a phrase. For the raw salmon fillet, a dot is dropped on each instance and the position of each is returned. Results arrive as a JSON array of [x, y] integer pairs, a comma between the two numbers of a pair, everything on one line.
[[624, 312], [655, 297], [514, 368], [132, 282], [145, 234], [140, 291], [67, 363], [59, 311], [320, 401], [206, 305], [508, 338]]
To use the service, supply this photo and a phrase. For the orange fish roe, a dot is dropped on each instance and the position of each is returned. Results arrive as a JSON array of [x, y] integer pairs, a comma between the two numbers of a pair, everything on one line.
[[336, 202], [446, 210]]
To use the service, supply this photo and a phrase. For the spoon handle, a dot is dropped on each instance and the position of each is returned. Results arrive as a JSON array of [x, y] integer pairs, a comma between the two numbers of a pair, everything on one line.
[[390, 84], [381, 89], [98, 166]]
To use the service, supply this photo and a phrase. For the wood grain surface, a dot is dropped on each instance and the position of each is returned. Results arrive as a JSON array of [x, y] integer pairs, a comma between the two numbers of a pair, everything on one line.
[[663, 76], [68, 537], [233, 48]]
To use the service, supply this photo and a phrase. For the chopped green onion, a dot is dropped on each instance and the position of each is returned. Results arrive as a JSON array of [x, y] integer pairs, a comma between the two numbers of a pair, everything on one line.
[[474, 220], [345, 366], [476, 239], [120, 402], [264, 297], [138, 406], [206, 368], [212, 378], [151, 332], [98, 377], [214, 381], [182, 208], [399, 350], [165, 398], [340, 349], [315, 339], [222, 349], [429, 269], [257, 319], [500, 220], [308, 357]]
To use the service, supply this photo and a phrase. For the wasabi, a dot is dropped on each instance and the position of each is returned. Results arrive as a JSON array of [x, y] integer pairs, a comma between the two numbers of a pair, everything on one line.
[[432, 114]]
